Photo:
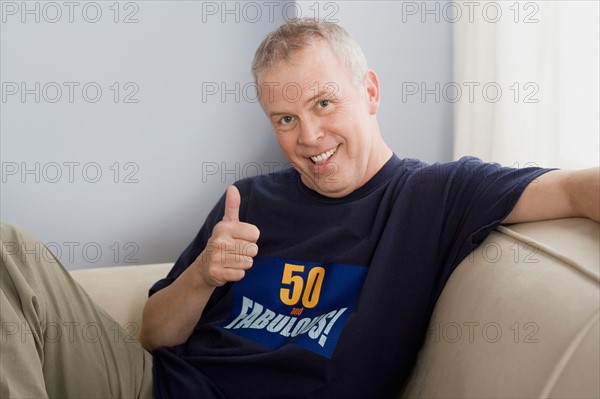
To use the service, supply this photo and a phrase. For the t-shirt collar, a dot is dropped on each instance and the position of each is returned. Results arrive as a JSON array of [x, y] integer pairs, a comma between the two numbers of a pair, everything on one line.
[[380, 178]]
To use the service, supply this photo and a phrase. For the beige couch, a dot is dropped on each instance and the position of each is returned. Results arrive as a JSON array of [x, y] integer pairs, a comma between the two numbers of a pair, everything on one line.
[[519, 317]]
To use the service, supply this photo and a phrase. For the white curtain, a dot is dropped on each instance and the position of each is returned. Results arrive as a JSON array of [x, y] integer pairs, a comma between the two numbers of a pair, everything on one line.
[[529, 76]]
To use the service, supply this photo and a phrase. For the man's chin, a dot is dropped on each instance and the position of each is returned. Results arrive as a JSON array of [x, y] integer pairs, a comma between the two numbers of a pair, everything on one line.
[[328, 189]]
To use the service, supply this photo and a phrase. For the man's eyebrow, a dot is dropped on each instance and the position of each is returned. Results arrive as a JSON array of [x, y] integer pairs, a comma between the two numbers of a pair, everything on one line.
[[321, 93], [272, 114]]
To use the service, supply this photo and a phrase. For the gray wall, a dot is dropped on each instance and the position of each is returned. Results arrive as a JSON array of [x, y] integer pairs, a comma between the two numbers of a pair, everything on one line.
[[127, 175]]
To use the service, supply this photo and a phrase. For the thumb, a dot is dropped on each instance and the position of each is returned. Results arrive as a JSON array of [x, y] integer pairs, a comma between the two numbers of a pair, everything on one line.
[[232, 204]]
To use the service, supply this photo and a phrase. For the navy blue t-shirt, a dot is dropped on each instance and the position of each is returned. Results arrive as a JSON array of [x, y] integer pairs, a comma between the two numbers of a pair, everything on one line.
[[339, 298]]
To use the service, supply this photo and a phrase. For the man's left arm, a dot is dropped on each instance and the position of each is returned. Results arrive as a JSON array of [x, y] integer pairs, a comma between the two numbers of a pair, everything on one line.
[[559, 194]]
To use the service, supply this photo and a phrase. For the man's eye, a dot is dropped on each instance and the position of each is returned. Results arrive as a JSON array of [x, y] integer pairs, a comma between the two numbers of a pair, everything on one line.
[[286, 120], [324, 103]]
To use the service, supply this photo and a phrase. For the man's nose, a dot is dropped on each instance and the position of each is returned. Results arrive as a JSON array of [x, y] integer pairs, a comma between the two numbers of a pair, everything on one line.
[[310, 132]]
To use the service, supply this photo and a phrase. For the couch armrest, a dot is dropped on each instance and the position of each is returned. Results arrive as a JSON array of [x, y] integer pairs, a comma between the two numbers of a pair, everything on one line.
[[519, 317], [122, 290]]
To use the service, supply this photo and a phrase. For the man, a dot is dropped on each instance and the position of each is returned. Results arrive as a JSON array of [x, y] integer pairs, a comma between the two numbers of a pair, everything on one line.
[[236, 317], [316, 281]]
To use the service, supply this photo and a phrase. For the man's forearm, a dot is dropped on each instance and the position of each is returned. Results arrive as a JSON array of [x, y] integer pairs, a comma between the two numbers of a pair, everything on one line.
[[584, 192], [171, 314], [559, 194]]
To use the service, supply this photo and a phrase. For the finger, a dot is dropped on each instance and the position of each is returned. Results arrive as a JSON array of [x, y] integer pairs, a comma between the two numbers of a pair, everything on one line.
[[232, 204], [241, 247], [231, 268], [233, 274], [250, 249], [236, 261], [232, 256], [246, 232]]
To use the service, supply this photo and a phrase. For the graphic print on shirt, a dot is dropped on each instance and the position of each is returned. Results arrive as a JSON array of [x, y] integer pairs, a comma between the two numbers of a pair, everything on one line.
[[282, 301]]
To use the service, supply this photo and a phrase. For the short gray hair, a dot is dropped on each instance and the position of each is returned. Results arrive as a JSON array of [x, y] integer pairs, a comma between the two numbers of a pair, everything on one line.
[[297, 34]]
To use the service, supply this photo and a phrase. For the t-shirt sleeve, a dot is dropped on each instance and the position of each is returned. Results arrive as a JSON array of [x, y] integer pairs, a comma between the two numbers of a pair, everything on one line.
[[194, 249], [477, 197]]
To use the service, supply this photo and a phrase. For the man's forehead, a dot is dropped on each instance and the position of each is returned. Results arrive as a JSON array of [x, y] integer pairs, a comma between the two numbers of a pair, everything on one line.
[[292, 81]]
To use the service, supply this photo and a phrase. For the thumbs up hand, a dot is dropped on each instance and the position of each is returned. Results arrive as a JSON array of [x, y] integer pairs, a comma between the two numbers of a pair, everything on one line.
[[231, 247]]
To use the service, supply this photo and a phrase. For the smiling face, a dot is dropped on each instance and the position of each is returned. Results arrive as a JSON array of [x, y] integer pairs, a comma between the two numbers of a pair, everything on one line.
[[325, 125]]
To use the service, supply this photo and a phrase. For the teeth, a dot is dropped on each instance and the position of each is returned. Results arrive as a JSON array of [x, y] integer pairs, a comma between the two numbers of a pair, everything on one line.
[[324, 156]]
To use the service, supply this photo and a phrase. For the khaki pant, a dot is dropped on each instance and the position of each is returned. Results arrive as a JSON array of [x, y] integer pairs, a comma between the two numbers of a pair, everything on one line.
[[55, 341]]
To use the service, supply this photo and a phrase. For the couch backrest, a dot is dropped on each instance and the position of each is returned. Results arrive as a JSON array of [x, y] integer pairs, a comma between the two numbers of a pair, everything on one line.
[[518, 318], [122, 290]]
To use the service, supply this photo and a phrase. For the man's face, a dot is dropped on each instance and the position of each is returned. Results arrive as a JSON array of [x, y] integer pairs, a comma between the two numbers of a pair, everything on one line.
[[324, 126]]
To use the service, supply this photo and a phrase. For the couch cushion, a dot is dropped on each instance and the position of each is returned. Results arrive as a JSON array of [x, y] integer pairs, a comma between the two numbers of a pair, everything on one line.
[[518, 318]]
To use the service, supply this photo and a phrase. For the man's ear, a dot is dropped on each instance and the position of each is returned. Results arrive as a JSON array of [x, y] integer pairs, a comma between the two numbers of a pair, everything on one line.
[[372, 91]]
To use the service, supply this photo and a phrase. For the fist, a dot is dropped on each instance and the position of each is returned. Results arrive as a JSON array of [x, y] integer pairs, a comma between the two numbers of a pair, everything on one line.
[[232, 246]]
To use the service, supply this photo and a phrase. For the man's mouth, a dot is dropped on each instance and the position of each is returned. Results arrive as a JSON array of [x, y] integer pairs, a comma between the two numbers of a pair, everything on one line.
[[324, 156]]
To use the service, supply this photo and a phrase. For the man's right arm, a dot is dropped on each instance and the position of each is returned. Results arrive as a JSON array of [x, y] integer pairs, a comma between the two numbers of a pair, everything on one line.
[[171, 314]]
